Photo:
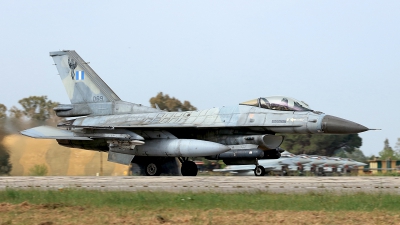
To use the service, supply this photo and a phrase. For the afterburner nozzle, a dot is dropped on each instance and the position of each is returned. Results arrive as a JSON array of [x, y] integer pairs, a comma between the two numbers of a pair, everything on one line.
[[336, 125]]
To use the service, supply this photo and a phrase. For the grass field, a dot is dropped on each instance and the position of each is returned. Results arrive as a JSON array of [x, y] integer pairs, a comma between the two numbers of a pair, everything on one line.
[[96, 207]]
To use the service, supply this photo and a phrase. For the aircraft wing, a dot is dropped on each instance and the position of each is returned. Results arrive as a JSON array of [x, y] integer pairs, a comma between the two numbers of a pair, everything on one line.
[[164, 125], [47, 132], [155, 126]]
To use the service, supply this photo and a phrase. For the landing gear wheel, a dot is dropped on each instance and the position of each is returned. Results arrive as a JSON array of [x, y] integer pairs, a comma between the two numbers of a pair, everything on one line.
[[259, 171], [189, 168], [285, 171], [153, 169]]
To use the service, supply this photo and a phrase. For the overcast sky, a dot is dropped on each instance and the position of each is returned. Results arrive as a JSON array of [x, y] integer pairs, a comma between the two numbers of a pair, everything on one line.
[[341, 57]]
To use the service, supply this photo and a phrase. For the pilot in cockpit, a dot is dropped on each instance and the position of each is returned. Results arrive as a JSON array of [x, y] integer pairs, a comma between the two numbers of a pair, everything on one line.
[[284, 106]]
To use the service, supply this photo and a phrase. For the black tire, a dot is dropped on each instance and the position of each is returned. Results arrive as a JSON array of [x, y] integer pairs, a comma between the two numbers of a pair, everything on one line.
[[259, 171], [189, 168], [285, 171], [153, 169]]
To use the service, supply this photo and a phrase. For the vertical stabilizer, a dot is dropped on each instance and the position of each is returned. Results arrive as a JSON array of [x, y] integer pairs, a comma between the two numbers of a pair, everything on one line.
[[83, 85]]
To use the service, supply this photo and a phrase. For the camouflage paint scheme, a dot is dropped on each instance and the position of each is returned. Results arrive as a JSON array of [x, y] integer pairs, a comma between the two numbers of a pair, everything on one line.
[[237, 134]]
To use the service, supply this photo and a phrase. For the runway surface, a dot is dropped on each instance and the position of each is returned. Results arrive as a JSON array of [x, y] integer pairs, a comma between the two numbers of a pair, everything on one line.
[[208, 184]]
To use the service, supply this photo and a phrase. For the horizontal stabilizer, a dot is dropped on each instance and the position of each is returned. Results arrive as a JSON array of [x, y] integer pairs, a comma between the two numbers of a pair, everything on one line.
[[47, 132]]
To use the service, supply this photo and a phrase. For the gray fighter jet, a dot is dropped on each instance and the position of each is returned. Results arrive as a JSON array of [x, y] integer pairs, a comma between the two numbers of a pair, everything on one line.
[[97, 119], [287, 162]]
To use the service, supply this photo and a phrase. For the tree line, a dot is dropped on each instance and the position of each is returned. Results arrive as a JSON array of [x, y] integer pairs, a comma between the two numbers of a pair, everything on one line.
[[34, 111], [388, 152]]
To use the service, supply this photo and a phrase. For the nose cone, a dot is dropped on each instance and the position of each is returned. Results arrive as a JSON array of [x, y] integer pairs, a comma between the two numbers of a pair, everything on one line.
[[336, 125]]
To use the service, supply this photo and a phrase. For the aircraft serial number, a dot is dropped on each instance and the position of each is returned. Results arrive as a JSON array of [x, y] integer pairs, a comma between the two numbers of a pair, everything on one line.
[[278, 121], [98, 98]]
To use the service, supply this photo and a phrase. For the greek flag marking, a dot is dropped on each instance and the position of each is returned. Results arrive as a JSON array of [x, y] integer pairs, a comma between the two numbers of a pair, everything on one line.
[[79, 75]]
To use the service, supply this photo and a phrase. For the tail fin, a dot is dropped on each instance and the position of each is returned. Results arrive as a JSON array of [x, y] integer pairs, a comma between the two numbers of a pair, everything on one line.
[[83, 85]]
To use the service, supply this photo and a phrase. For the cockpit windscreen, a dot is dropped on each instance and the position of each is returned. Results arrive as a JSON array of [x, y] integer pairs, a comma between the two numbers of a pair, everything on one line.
[[278, 103]]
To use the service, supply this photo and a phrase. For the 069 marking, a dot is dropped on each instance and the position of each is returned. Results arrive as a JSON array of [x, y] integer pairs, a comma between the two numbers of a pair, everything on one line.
[[98, 98]]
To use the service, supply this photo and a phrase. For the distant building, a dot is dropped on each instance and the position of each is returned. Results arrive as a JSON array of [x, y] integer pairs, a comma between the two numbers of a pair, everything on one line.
[[383, 166]]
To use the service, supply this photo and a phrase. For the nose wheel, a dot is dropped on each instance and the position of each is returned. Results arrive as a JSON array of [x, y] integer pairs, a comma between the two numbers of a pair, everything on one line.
[[189, 168]]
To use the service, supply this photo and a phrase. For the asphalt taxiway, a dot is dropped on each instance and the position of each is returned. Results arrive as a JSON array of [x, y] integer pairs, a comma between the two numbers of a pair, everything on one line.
[[207, 183]]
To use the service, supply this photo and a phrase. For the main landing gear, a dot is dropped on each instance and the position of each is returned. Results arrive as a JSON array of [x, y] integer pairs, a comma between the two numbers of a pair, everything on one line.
[[154, 166], [259, 170], [189, 168], [153, 169]]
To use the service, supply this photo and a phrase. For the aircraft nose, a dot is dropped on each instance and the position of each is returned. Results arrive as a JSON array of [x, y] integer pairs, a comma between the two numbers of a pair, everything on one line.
[[336, 125]]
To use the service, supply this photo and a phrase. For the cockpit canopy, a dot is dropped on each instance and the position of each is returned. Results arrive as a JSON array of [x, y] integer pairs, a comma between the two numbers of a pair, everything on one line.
[[278, 103]]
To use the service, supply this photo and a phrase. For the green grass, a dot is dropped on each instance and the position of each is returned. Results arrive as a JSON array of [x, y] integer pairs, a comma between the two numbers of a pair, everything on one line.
[[205, 201]]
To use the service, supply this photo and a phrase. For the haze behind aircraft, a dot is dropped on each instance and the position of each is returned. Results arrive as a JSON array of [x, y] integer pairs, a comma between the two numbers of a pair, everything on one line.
[[129, 132]]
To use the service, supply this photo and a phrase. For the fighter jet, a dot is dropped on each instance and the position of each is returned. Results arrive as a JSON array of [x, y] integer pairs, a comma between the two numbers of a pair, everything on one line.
[[97, 119], [298, 162], [346, 165], [316, 165], [269, 165], [287, 162]]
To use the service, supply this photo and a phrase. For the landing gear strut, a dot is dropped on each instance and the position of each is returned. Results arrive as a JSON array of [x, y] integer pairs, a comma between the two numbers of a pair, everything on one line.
[[285, 171], [189, 168]]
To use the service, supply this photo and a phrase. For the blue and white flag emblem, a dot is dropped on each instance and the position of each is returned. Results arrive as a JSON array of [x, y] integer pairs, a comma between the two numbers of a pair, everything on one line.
[[79, 75]]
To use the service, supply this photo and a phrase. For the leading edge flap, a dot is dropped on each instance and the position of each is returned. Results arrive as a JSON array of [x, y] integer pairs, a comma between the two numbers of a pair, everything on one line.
[[47, 132]]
